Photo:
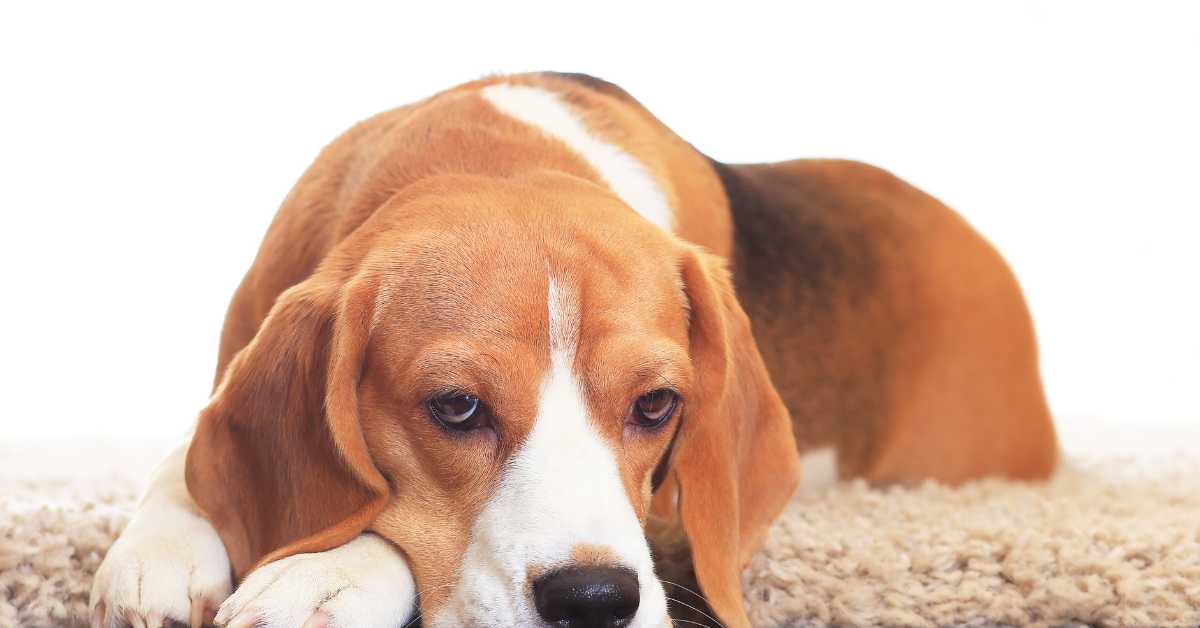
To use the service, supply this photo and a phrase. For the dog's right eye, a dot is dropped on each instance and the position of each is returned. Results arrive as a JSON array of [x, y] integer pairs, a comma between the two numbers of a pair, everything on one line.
[[458, 411], [654, 408]]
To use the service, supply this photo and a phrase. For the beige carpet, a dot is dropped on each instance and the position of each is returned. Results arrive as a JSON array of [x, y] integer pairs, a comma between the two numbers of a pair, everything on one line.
[[1112, 541]]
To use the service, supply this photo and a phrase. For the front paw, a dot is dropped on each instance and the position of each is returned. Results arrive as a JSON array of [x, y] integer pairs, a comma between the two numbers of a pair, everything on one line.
[[168, 566], [365, 583]]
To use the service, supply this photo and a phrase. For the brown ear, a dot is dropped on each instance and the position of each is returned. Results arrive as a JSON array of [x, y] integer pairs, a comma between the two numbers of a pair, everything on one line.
[[278, 461], [736, 461]]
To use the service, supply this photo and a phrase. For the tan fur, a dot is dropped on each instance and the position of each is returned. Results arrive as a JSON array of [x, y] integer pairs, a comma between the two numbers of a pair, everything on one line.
[[909, 346], [412, 257]]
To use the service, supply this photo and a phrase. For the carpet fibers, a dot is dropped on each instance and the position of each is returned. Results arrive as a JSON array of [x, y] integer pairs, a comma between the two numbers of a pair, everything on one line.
[[1106, 543]]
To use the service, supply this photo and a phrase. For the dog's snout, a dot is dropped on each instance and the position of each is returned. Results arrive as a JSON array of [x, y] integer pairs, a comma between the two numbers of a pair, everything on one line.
[[587, 597]]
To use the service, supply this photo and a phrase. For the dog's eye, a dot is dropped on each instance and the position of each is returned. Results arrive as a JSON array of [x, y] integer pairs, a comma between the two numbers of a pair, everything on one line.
[[458, 411], [655, 407]]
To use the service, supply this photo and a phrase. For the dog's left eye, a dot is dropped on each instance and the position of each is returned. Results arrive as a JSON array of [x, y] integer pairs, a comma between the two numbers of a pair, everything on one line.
[[655, 407], [458, 411]]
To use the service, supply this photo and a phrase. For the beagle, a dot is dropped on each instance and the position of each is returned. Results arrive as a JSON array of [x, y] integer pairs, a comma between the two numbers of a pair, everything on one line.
[[492, 335]]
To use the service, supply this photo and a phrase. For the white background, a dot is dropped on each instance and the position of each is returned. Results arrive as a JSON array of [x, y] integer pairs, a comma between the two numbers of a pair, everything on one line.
[[144, 149]]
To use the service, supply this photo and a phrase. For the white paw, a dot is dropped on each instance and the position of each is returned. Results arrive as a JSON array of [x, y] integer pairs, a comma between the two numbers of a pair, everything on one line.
[[365, 583], [168, 565]]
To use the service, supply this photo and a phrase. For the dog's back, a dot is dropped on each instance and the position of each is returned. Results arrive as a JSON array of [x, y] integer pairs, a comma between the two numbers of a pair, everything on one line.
[[896, 335]]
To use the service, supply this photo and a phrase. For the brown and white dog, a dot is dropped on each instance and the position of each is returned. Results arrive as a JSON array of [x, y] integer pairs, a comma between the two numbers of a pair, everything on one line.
[[492, 334]]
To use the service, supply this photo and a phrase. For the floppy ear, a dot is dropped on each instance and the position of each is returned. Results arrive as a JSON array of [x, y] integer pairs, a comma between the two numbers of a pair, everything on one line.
[[736, 463], [278, 461]]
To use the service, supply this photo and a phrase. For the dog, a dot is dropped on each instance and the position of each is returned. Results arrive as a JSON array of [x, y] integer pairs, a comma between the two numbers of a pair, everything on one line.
[[491, 336]]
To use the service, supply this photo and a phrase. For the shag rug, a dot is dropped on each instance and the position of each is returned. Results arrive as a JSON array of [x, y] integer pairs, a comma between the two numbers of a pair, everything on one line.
[[1112, 540]]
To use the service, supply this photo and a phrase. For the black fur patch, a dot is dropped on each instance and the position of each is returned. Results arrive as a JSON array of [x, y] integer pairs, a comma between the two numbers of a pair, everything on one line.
[[807, 270], [784, 231], [591, 82]]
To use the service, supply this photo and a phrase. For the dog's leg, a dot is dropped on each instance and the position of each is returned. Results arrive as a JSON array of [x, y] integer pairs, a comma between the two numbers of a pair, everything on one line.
[[168, 564], [365, 583]]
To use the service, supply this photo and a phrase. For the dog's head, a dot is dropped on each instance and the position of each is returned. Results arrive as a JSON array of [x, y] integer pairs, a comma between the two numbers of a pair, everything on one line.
[[496, 377]]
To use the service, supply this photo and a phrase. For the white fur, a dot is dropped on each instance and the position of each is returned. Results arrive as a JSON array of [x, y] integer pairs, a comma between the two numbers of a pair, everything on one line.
[[561, 489], [625, 175], [168, 563], [365, 583], [818, 468]]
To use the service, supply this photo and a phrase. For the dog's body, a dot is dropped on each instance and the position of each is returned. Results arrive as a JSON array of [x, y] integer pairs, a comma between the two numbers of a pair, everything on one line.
[[894, 336]]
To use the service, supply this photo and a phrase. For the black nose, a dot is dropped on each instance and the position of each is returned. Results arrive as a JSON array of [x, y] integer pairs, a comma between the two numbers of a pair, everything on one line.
[[587, 597]]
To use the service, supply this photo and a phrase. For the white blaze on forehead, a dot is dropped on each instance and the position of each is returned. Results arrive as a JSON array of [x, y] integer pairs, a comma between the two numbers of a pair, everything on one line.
[[623, 173], [563, 315], [561, 489]]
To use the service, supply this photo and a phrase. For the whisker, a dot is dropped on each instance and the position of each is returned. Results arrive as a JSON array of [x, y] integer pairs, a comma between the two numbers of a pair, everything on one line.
[[688, 621], [679, 601], [676, 584], [414, 620]]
